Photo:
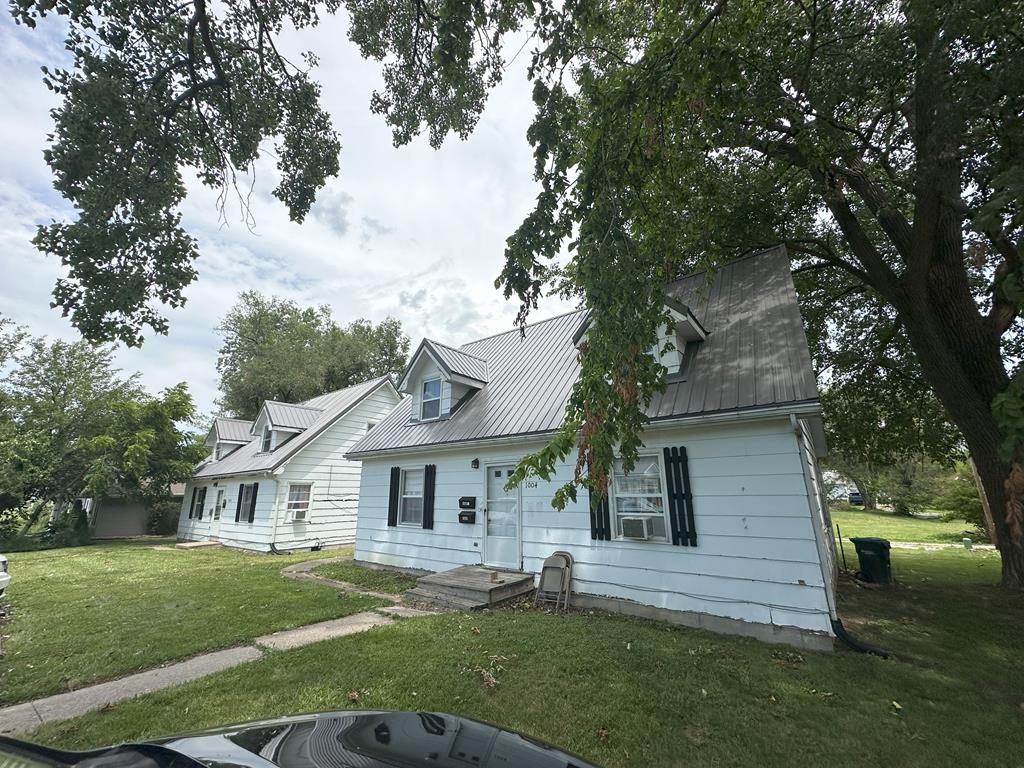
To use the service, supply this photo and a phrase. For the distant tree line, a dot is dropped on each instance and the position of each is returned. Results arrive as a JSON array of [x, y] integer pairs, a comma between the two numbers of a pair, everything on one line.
[[274, 349]]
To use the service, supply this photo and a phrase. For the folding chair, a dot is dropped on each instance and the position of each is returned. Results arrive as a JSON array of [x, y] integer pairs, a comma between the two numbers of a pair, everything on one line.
[[555, 580]]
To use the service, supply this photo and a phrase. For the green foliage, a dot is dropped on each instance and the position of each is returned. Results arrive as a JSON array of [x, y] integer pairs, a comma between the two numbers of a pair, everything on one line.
[[163, 517], [880, 144], [156, 87], [273, 349], [74, 428]]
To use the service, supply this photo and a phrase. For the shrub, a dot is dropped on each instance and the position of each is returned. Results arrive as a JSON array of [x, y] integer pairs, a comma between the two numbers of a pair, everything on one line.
[[163, 517]]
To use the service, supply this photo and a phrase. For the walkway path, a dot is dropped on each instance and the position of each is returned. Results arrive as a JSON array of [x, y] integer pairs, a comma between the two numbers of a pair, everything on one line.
[[31, 714]]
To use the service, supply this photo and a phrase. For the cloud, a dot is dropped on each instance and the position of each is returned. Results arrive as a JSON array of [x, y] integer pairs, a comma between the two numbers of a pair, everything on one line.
[[331, 209]]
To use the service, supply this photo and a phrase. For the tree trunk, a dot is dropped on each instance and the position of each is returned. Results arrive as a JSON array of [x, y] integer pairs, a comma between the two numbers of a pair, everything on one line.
[[965, 369], [986, 511]]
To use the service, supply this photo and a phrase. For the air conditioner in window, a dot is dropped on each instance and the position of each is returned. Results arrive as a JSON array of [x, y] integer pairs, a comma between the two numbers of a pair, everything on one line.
[[636, 528]]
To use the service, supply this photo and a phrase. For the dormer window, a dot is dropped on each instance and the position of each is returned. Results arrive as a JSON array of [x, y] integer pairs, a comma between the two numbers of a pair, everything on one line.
[[430, 401], [265, 445]]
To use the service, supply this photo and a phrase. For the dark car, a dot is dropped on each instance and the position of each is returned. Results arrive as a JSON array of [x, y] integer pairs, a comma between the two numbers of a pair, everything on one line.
[[354, 739], [856, 497]]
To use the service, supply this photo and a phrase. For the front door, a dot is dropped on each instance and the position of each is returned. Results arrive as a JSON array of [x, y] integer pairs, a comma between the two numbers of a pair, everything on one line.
[[218, 507], [502, 541]]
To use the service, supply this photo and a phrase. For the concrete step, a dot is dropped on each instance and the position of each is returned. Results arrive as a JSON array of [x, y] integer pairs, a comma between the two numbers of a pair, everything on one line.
[[437, 599], [477, 583]]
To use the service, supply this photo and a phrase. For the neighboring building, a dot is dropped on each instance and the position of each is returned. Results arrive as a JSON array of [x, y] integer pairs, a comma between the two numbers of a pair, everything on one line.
[[722, 521], [121, 517], [282, 481]]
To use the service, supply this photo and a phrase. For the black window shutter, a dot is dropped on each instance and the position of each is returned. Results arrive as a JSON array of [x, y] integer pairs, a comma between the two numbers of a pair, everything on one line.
[[396, 481], [680, 499], [192, 504], [238, 506], [252, 503], [429, 474], [600, 519]]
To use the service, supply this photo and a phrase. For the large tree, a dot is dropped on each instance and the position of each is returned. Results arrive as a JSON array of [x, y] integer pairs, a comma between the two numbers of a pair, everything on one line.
[[273, 349], [73, 426], [880, 141]]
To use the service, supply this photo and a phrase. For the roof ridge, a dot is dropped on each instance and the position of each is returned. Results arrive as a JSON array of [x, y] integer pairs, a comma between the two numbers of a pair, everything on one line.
[[516, 330], [232, 418], [300, 405], [456, 349], [751, 255]]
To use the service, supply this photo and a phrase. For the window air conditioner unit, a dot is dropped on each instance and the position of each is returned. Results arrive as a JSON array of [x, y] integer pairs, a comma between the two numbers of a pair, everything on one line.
[[636, 528]]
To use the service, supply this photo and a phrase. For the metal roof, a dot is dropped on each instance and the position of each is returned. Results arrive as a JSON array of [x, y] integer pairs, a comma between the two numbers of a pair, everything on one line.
[[755, 355], [329, 408], [233, 430], [290, 416], [452, 361]]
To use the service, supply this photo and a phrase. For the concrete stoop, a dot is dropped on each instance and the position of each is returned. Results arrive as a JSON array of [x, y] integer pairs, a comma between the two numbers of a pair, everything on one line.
[[470, 587]]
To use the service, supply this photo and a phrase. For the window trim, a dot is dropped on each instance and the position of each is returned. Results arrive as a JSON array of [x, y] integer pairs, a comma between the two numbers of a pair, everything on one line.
[[402, 496], [266, 439], [614, 506], [423, 400], [219, 502], [289, 511]]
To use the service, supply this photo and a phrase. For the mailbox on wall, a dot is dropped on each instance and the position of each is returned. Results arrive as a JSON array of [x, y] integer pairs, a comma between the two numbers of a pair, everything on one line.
[[467, 516], [467, 502]]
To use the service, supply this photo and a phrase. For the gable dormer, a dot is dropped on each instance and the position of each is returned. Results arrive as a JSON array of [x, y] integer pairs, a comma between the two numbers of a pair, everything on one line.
[[677, 339], [277, 423], [439, 378], [226, 436]]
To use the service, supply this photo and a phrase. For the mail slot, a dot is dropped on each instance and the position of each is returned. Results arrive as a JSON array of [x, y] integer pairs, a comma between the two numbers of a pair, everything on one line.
[[467, 516], [467, 502]]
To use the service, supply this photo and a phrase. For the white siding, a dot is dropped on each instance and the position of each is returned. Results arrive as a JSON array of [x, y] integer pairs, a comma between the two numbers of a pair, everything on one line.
[[243, 534], [331, 519], [756, 557]]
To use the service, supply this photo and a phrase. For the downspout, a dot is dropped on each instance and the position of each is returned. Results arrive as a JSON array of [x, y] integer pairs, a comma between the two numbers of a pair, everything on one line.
[[837, 624]]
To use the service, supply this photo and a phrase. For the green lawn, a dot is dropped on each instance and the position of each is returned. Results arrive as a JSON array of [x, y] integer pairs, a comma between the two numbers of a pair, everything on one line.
[[86, 614], [634, 693], [375, 580], [857, 522]]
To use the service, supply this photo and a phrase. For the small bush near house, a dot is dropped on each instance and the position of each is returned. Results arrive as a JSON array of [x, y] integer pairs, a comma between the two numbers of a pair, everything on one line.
[[163, 518]]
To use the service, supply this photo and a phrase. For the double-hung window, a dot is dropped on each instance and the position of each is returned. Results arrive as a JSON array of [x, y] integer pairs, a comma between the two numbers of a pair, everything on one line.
[[200, 503], [640, 494], [219, 504], [430, 400], [265, 446], [298, 500], [410, 510]]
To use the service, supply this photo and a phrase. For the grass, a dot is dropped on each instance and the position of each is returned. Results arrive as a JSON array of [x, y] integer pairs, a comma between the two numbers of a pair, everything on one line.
[[626, 692], [859, 522], [375, 580], [86, 614]]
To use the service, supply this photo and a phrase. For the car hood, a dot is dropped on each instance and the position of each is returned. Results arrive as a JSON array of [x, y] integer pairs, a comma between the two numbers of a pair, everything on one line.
[[361, 739]]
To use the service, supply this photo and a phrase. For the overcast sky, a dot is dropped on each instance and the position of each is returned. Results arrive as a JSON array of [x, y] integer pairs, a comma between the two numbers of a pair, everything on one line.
[[414, 233]]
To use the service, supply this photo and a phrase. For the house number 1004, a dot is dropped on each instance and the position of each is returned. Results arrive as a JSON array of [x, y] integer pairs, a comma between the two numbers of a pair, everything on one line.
[[532, 484]]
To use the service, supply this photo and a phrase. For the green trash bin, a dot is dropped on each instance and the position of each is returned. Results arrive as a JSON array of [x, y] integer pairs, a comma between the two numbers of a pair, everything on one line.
[[873, 556]]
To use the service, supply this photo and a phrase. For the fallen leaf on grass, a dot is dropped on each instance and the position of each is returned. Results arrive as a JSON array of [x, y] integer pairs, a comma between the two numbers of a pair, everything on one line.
[[475, 630], [602, 734], [353, 695]]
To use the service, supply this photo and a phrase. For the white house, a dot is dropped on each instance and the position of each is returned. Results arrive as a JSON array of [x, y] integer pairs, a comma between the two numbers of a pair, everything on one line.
[[283, 482], [721, 523]]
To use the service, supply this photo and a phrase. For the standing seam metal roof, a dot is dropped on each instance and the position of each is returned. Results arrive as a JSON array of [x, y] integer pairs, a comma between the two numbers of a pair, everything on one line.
[[249, 459], [291, 416], [233, 430], [755, 355]]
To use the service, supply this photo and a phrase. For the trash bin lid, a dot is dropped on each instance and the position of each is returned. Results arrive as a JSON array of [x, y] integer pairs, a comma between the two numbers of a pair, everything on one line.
[[871, 540]]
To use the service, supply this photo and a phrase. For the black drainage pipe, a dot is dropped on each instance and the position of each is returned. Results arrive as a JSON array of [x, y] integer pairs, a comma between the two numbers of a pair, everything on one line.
[[854, 643]]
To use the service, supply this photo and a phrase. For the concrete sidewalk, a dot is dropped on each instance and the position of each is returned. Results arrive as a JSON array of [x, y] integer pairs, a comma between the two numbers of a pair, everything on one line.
[[20, 718]]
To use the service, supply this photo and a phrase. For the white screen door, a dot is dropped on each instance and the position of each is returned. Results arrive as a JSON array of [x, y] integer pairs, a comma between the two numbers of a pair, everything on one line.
[[501, 524]]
